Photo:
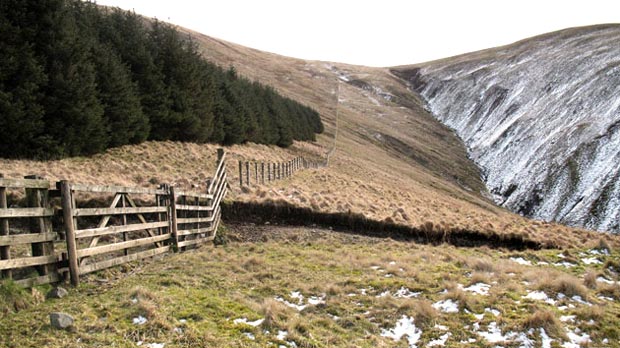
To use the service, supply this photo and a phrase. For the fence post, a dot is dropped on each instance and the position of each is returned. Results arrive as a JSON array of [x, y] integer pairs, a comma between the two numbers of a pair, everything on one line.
[[5, 251], [268, 171], [220, 154], [247, 173], [262, 172], [240, 174], [173, 217], [279, 171], [256, 172], [67, 213]]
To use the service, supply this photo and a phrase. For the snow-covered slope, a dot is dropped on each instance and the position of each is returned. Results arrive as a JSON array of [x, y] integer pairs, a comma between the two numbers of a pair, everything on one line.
[[541, 117]]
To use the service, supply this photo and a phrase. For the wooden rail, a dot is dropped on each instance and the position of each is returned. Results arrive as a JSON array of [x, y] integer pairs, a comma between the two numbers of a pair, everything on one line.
[[135, 223]]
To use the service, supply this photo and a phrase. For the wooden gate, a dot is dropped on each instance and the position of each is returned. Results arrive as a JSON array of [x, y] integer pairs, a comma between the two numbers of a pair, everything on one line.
[[103, 226]]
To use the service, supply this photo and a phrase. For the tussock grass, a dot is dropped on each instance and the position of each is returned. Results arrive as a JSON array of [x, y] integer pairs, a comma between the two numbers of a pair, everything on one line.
[[566, 284], [546, 319], [13, 298]]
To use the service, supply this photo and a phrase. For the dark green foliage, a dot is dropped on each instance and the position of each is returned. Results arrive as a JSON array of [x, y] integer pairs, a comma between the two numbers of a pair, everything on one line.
[[76, 79]]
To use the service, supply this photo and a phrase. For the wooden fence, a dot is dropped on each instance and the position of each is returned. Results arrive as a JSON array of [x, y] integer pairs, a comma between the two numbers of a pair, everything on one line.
[[110, 226], [261, 172]]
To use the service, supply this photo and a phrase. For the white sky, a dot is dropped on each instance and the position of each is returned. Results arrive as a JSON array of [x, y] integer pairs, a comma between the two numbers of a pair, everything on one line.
[[375, 33]]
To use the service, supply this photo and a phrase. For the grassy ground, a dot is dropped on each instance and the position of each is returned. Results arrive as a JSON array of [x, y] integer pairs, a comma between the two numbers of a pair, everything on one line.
[[354, 289]]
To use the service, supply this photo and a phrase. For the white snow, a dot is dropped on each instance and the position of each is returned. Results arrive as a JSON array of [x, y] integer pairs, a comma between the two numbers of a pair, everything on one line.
[[599, 252], [605, 280], [441, 341], [493, 311], [245, 321], [441, 327], [405, 293], [479, 288], [546, 340], [384, 294], [580, 300], [566, 318], [249, 335], [521, 261], [282, 335], [591, 261], [405, 326], [315, 300], [140, 320], [447, 306], [494, 334], [564, 264], [538, 295], [525, 341], [155, 345], [575, 340], [299, 307]]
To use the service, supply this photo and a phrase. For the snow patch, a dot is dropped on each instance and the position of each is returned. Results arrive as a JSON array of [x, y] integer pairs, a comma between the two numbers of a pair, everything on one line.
[[405, 326], [405, 293], [591, 261], [494, 334], [245, 321], [575, 340], [521, 261], [447, 306], [479, 288], [441, 341], [140, 320]]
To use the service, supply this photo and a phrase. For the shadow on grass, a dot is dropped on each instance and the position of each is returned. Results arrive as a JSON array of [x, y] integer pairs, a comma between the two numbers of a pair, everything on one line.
[[286, 213]]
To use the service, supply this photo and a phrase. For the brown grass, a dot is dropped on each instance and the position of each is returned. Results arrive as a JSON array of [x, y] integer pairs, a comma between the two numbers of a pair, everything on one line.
[[276, 314], [589, 279], [567, 284], [546, 319]]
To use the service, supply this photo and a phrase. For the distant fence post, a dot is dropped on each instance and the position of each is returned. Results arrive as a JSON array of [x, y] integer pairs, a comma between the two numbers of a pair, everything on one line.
[[247, 173], [262, 172], [256, 172], [240, 174], [4, 231], [268, 171], [67, 213]]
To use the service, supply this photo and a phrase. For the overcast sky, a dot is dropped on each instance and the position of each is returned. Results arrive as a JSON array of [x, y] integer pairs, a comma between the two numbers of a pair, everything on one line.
[[375, 33]]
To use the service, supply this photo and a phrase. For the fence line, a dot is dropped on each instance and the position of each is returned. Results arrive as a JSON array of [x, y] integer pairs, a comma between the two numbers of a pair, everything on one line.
[[137, 223], [255, 172]]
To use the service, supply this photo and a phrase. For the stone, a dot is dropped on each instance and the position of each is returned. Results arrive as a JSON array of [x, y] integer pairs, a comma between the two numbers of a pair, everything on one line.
[[61, 320], [57, 293]]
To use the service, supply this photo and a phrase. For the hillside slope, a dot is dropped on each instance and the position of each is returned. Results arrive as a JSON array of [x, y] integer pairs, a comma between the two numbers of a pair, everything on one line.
[[541, 117], [393, 161]]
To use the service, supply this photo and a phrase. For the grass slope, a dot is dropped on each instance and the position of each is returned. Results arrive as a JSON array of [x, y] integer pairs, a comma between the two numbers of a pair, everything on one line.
[[354, 289], [392, 162]]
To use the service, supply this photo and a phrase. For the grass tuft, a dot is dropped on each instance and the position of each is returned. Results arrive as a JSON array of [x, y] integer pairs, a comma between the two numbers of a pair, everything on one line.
[[13, 298], [545, 319]]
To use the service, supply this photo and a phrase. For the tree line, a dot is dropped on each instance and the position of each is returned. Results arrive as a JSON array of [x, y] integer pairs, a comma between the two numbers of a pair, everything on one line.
[[77, 78]]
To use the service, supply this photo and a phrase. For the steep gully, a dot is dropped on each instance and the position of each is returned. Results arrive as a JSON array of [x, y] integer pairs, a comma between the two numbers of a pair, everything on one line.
[[541, 118]]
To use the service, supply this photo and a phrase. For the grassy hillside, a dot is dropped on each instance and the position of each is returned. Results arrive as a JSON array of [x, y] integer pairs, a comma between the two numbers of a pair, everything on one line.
[[355, 289], [392, 161]]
